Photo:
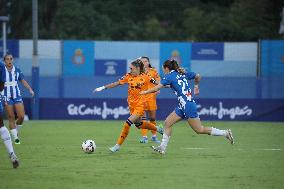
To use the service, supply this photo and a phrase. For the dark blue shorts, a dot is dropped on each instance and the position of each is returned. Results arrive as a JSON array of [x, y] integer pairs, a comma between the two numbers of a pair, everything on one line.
[[189, 111], [12, 101]]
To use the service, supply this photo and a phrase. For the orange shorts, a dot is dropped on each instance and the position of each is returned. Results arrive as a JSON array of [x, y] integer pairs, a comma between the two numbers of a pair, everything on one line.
[[137, 109], [150, 105]]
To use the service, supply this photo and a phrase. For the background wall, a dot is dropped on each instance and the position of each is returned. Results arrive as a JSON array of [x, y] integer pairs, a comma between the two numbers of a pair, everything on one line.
[[72, 69]]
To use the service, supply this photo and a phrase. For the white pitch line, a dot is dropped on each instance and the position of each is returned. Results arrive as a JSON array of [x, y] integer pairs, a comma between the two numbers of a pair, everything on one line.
[[195, 148], [239, 149], [271, 149]]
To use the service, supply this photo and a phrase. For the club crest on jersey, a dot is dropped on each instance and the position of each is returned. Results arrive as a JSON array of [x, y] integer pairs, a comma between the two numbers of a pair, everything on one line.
[[78, 57]]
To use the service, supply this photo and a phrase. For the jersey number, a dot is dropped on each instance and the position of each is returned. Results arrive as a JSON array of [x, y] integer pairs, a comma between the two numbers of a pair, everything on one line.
[[184, 88]]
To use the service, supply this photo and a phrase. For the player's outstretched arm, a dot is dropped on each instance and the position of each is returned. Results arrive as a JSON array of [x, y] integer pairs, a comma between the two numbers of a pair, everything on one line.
[[108, 86], [152, 90]]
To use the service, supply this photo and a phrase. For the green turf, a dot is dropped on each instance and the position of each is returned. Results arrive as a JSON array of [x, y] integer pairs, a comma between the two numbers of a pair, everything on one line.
[[51, 157]]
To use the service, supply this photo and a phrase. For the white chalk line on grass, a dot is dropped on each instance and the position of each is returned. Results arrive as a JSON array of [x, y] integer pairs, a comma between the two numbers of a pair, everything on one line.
[[239, 149]]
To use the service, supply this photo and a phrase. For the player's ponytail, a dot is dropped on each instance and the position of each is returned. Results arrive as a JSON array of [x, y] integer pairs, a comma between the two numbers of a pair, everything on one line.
[[173, 65]]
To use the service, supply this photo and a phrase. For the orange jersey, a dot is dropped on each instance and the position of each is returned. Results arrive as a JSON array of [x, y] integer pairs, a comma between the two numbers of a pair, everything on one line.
[[136, 84], [152, 73]]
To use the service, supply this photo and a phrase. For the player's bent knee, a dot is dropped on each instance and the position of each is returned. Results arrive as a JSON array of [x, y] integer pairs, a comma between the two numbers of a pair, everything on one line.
[[21, 118], [138, 125], [152, 119]]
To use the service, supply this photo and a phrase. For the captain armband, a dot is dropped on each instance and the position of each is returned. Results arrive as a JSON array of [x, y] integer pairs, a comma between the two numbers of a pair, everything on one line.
[[153, 80]]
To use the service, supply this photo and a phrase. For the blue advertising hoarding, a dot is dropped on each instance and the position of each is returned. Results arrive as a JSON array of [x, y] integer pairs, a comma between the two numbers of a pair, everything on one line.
[[179, 51], [84, 109], [78, 58], [272, 58], [110, 67], [207, 51], [208, 109], [12, 47]]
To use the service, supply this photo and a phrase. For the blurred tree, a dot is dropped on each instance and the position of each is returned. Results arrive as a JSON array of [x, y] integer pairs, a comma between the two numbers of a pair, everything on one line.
[[164, 20], [253, 20]]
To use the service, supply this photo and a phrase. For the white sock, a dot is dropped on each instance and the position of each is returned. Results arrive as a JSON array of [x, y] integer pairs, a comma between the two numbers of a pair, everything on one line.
[[14, 133], [165, 141], [218, 132], [19, 127], [5, 136]]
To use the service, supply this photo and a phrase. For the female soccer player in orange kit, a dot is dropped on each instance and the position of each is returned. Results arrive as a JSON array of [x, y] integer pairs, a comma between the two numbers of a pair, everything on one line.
[[137, 81], [151, 102]]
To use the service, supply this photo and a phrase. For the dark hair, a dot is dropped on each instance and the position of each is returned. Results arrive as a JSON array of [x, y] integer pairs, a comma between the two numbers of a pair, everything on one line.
[[138, 63], [147, 58], [173, 65], [6, 56]]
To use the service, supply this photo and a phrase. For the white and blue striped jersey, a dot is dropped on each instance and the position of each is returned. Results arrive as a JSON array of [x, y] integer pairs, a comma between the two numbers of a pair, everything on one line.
[[180, 85], [11, 90]]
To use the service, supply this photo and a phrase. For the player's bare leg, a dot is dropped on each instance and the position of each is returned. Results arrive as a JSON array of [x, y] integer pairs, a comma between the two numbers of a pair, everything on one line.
[[197, 126], [169, 122]]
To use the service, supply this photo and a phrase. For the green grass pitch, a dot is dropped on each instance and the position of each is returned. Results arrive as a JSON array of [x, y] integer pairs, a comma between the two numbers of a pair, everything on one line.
[[51, 157]]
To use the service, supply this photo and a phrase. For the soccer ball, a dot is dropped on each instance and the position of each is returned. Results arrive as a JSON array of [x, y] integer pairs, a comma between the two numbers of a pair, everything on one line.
[[89, 146]]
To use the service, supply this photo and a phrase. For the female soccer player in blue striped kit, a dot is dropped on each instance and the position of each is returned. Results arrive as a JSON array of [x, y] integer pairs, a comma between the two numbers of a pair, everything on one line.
[[13, 98], [177, 78], [4, 133]]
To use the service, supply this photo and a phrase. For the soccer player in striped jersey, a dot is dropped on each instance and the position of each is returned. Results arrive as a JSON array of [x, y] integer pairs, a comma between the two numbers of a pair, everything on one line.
[[177, 78], [4, 133], [13, 98]]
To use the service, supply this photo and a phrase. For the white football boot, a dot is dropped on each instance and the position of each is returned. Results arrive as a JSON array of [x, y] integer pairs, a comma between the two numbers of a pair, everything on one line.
[[229, 136], [159, 149], [14, 160], [115, 148]]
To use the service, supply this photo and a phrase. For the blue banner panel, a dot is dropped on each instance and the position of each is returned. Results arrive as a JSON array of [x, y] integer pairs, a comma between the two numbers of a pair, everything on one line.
[[272, 58], [207, 51], [12, 48], [176, 50], [88, 109], [241, 109], [78, 58], [110, 67], [209, 109]]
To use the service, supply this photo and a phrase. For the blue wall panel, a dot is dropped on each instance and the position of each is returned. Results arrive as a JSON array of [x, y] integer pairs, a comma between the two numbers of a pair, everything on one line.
[[179, 51], [78, 58], [209, 109], [207, 51], [126, 50], [12, 47], [272, 58]]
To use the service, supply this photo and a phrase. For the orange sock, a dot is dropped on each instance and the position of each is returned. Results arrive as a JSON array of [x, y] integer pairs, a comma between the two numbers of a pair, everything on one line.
[[123, 133], [148, 125], [144, 132], [154, 123]]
